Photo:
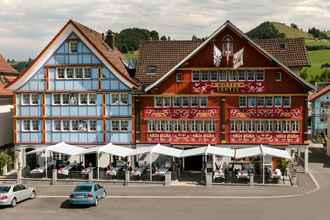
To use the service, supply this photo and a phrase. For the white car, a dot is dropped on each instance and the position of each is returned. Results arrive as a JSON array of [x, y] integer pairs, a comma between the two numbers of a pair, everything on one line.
[[10, 195]]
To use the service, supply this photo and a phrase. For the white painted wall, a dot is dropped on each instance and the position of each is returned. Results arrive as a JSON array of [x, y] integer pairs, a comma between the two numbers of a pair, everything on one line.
[[6, 130]]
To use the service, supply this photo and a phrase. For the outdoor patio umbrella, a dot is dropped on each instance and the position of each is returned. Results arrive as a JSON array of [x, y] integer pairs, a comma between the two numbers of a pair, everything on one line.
[[109, 149], [157, 149], [261, 151], [62, 148]]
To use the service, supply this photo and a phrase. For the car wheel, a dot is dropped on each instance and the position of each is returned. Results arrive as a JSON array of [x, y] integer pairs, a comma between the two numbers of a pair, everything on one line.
[[33, 195], [104, 194], [13, 203]]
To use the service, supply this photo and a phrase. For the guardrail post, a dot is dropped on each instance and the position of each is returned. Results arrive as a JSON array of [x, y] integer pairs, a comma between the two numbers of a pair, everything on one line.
[[127, 178], [90, 174], [251, 179], [208, 179], [54, 177], [168, 178]]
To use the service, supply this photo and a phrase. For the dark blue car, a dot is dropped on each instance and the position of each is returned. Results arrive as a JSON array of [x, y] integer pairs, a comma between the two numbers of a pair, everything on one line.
[[88, 193]]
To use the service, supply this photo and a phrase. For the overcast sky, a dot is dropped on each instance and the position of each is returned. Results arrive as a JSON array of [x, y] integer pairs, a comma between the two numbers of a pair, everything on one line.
[[27, 25]]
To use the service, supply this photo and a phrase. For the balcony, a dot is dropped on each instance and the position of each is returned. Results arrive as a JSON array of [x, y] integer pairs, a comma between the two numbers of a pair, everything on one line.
[[180, 113]]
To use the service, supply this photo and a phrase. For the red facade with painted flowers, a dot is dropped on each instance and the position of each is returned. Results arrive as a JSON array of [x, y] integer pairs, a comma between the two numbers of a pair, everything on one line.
[[192, 101]]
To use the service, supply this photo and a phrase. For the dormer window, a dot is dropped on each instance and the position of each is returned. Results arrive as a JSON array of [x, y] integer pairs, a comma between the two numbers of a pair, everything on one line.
[[283, 46], [151, 69], [227, 45], [73, 46]]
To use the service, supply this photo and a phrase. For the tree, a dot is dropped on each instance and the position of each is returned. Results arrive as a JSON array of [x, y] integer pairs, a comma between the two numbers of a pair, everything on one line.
[[317, 33], [293, 25], [163, 38], [266, 30], [129, 39], [303, 73], [4, 160], [110, 38]]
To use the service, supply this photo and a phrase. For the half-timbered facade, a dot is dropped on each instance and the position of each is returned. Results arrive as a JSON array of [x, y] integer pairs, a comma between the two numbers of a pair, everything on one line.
[[77, 90], [225, 90]]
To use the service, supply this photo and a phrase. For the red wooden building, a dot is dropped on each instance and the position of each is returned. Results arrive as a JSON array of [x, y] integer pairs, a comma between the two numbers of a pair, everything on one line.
[[195, 95]]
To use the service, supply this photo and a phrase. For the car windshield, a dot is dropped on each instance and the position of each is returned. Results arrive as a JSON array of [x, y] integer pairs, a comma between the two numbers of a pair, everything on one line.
[[4, 189], [83, 189]]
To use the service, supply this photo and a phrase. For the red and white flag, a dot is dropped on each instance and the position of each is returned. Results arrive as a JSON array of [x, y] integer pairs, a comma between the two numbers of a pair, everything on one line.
[[238, 58]]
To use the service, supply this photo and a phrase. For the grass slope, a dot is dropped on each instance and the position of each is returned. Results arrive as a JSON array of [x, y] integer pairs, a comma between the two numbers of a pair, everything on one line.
[[317, 58], [289, 31]]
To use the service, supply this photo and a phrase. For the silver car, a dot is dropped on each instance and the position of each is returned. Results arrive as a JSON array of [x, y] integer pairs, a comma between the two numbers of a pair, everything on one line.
[[10, 195]]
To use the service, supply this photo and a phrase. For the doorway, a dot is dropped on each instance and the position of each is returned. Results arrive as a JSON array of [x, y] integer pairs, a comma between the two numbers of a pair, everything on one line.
[[194, 163]]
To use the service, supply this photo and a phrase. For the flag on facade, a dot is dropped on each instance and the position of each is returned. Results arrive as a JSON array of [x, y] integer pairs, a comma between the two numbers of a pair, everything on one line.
[[238, 58], [217, 56]]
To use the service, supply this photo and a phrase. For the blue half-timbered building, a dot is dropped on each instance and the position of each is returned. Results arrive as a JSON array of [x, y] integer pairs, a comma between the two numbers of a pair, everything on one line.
[[77, 90]]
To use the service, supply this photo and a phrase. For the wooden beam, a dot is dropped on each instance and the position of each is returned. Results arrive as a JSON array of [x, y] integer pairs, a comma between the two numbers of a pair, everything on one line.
[[104, 117], [43, 126]]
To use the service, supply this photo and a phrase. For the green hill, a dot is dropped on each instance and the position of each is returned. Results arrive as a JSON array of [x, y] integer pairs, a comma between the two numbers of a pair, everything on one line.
[[291, 32], [317, 58]]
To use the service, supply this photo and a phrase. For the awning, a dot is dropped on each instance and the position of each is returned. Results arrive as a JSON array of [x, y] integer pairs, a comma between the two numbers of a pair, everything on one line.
[[158, 149], [219, 151], [111, 149], [261, 150], [64, 148]]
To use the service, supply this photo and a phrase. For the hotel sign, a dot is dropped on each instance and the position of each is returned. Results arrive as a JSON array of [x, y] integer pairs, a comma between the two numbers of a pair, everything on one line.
[[239, 87]]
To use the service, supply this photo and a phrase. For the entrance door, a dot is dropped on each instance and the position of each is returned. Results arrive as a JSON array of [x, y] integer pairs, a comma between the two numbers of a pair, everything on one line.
[[193, 163]]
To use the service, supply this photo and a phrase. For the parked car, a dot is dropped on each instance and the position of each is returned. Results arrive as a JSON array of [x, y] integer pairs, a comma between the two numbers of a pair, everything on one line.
[[11, 194], [87, 194]]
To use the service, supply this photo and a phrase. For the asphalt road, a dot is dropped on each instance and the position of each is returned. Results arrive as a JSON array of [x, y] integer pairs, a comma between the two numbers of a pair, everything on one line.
[[311, 206]]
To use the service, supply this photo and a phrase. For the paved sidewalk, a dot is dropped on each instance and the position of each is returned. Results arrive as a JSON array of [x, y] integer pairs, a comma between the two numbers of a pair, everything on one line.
[[145, 190]]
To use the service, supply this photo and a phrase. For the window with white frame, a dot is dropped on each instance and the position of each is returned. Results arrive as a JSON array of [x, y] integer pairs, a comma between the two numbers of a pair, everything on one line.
[[278, 77], [57, 125], [223, 76], [203, 101], [30, 99], [60, 73], [195, 76], [119, 99], [87, 73], [65, 99], [242, 101], [260, 76], [260, 101], [34, 125], [177, 101], [83, 99], [73, 46], [26, 125], [214, 76], [119, 125], [185, 101], [158, 101], [269, 101], [70, 73], [75, 125], [194, 101], [204, 76], [79, 73], [92, 99], [66, 125], [286, 101], [241, 76], [250, 75], [167, 101], [57, 99], [179, 77]]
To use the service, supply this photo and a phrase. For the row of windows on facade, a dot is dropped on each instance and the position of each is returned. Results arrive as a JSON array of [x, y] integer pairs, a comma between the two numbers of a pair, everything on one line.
[[87, 125], [181, 125], [74, 73], [228, 75], [75, 125], [265, 101], [181, 101], [264, 126], [75, 99]]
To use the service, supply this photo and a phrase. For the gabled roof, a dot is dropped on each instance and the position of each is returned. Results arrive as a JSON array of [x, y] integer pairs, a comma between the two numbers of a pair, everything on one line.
[[6, 67], [112, 58], [294, 55], [194, 51], [4, 81], [164, 55], [319, 93]]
